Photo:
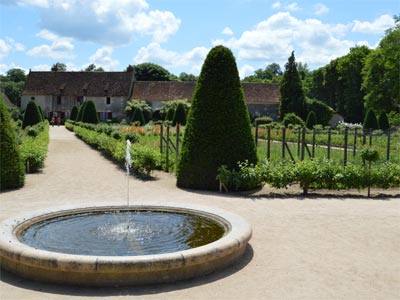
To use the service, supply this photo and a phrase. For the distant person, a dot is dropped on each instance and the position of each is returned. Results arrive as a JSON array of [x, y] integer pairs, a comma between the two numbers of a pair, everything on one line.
[[52, 121]]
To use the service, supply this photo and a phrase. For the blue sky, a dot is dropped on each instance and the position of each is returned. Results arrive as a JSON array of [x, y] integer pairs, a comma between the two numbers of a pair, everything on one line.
[[177, 34]]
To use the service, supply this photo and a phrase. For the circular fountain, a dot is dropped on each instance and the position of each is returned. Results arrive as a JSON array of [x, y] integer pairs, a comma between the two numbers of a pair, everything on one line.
[[122, 245]]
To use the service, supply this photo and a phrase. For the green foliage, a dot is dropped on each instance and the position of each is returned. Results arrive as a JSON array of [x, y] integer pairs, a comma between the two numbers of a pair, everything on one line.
[[145, 160], [218, 130], [167, 105], [323, 112], [12, 173], [74, 113], [311, 120], [370, 155], [93, 68], [151, 72], [13, 90], [170, 115], [80, 112], [16, 75], [292, 99], [137, 117], [41, 113], [59, 67], [187, 77], [179, 115], [272, 73], [370, 121], [32, 115], [89, 114], [383, 121], [292, 118], [394, 118], [263, 120], [133, 104]]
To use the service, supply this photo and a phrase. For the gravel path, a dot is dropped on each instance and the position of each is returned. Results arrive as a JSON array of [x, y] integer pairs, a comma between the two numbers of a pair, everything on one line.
[[346, 248]]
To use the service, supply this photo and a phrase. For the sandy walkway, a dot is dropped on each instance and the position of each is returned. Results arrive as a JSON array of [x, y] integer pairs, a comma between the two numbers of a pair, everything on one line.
[[300, 249]]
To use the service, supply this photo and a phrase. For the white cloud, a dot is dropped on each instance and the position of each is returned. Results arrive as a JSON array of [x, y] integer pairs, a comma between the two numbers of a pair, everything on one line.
[[276, 5], [7, 45], [227, 31], [292, 6], [376, 27], [272, 40], [60, 48], [246, 70], [320, 9], [42, 67], [4, 49], [154, 53], [104, 21], [103, 58]]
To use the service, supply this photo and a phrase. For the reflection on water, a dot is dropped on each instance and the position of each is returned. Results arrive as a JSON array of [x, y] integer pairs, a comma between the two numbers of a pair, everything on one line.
[[124, 233]]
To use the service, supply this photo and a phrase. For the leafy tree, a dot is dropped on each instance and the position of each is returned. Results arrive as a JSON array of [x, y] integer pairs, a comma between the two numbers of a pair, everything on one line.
[[170, 115], [292, 98], [12, 173], [292, 118], [323, 112], [180, 115], [272, 73], [311, 120], [133, 104], [32, 115], [370, 121], [317, 88], [381, 82], [89, 114], [383, 121], [74, 113], [218, 130], [187, 77], [16, 75], [150, 72], [13, 90], [167, 105], [59, 67], [93, 68], [137, 117], [334, 87]]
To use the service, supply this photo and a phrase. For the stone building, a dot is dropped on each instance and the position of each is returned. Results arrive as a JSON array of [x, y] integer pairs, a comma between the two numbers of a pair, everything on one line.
[[58, 92]]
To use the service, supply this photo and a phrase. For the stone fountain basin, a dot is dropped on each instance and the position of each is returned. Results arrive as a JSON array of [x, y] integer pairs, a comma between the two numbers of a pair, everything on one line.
[[53, 267]]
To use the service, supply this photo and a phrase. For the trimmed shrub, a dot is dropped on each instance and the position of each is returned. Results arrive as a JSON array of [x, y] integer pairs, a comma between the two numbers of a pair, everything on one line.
[[170, 115], [180, 115], [89, 114], [74, 113], [138, 117], [292, 118], [32, 115], [41, 113], [323, 112], [12, 172], [383, 121], [311, 120], [370, 121], [218, 130], [80, 112], [263, 120]]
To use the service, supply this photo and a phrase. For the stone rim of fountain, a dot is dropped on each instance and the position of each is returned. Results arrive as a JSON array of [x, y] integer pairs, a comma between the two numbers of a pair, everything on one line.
[[86, 270]]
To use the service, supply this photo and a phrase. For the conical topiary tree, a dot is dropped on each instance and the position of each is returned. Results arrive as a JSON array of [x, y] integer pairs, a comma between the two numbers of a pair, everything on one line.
[[138, 117], [12, 169], [370, 121], [218, 130], [383, 121], [89, 114], [170, 115], [32, 115], [41, 112], [74, 113], [180, 115], [80, 112], [311, 120]]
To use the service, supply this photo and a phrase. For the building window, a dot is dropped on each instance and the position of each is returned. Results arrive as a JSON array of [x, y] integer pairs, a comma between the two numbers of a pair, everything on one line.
[[58, 100], [32, 98], [79, 99], [108, 100]]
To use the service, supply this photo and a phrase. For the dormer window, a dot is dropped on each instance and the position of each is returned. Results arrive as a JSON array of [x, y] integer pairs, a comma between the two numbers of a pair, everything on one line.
[[58, 100], [108, 100]]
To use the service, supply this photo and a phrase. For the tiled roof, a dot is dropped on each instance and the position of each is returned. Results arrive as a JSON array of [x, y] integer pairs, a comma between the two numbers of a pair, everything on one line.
[[255, 93], [89, 84]]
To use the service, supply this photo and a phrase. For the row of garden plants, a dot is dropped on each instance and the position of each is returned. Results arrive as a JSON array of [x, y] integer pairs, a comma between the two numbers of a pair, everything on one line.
[[23, 145], [312, 174], [112, 141]]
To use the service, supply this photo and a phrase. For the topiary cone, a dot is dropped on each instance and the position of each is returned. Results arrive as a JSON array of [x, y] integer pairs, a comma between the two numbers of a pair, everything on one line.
[[218, 130]]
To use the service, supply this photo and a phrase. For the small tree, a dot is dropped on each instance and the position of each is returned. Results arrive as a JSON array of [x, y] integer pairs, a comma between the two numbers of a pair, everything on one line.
[[12, 169], [370, 121], [32, 115], [383, 121], [218, 130], [89, 114], [292, 118], [80, 112], [180, 115], [133, 104], [41, 113], [74, 113], [138, 117], [170, 115], [311, 120]]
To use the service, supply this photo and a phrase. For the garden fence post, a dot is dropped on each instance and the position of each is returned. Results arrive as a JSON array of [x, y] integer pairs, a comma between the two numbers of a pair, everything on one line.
[[370, 137], [355, 142], [283, 141], [256, 135], [346, 136], [167, 150], [303, 143], [269, 143], [298, 141], [388, 146], [313, 143], [161, 138], [329, 143], [177, 141]]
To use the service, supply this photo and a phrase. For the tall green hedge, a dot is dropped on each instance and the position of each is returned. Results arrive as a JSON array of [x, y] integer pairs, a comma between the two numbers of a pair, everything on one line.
[[32, 115], [370, 121], [311, 120], [80, 112], [218, 130], [74, 113], [12, 173], [383, 121], [89, 114], [323, 112], [138, 117], [180, 115]]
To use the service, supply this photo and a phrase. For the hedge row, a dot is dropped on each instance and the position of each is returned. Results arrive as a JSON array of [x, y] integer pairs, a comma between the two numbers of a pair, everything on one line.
[[144, 158], [316, 174]]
